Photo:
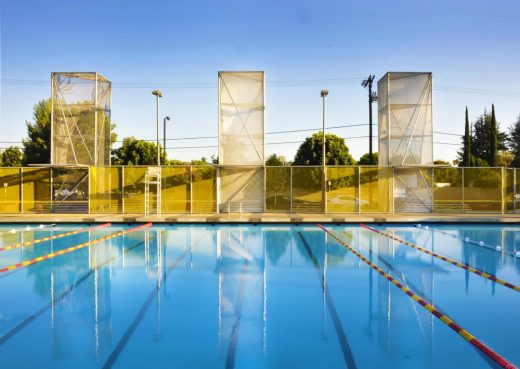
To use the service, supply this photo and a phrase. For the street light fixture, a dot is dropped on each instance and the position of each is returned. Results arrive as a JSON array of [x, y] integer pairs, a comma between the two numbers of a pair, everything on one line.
[[323, 95], [164, 134], [158, 94]]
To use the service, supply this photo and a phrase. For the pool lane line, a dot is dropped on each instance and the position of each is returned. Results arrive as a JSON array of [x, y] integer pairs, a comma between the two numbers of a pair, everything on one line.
[[235, 331], [484, 245], [20, 326], [338, 326], [430, 307], [48, 238], [70, 249], [406, 283], [116, 352], [27, 229], [459, 264]]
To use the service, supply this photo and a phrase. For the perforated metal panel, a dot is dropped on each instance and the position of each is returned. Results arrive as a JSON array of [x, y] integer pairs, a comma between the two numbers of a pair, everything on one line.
[[405, 119], [241, 118], [80, 119]]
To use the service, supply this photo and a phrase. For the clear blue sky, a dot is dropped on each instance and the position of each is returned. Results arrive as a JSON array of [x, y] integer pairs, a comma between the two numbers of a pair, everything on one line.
[[471, 45]]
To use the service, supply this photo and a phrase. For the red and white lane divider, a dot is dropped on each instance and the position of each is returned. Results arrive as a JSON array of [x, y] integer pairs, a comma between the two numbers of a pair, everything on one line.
[[48, 238], [464, 266], [431, 308], [70, 249]]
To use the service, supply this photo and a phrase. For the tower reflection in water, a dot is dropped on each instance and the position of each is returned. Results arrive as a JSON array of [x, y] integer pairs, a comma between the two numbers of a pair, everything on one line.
[[222, 286]]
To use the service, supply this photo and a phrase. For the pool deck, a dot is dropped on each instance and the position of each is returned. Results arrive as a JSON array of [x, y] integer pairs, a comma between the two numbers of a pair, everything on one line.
[[262, 218]]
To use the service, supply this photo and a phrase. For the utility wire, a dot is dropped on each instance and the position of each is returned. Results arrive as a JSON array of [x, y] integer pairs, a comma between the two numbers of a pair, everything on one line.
[[274, 83]]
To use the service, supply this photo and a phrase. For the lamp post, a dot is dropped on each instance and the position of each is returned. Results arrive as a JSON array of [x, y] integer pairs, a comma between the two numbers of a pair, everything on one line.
[[323, 95], [164, 134], [158, 94]]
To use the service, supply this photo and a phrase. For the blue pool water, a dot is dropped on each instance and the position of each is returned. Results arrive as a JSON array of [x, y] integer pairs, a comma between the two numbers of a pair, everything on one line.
[[246, 296]]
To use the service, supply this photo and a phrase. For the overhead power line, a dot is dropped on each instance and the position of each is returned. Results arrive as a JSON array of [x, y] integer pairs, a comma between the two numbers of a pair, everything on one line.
[[270, 83]]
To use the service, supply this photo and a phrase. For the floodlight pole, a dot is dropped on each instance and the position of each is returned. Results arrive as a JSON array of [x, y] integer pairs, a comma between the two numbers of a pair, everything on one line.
[[164, 134], [323, 95], [158, 94], [372, 97]]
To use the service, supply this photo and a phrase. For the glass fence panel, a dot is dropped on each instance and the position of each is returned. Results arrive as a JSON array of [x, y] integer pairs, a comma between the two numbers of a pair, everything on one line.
[[447, 190], [133, 189], [516, 196], [343, 190], [204, 195], [242, 190], [483, 190], [70, 190], [106, 195], [509, 190], [374, 190], [175, 189], [10, 190], [278, 189], [307, 189], [36, 190]]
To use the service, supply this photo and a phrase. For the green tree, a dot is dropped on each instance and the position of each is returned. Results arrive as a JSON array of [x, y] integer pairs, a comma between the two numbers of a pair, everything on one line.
[[137, 152], [310, 151], [514, 142], [466, 141], [483, 129], [276, 161], [365, 159], [11, 157], [493, 138], [440, 162], [504, 158], [37, 145]]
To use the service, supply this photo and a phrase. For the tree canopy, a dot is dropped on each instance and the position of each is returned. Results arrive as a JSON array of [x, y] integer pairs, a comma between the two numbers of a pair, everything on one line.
[[137, 152], [485, 140], [37, 144], [11, 157], [365, 159], [514, 142], [310, 151], [276, 161]]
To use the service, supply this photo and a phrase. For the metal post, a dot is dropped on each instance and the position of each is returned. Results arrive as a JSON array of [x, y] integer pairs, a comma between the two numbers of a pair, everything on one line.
[[462, 183], [290, 188], [164, 134], [359, 189], [503, 182], [514, 190], [96, 121], [393, 187], [21, 190], [265, 187], [158, 149], [191, 189], [123, 189], [157, 94], [323, 95]]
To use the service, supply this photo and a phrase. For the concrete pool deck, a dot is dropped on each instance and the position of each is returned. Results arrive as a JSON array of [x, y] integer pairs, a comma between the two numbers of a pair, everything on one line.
[[262, 218]]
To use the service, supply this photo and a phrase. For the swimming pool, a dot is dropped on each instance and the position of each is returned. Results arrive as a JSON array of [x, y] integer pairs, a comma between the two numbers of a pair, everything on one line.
[[257, 296]]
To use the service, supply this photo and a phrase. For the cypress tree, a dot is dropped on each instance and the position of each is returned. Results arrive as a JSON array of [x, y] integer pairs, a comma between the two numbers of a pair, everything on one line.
[[467, 142], [493, 138]]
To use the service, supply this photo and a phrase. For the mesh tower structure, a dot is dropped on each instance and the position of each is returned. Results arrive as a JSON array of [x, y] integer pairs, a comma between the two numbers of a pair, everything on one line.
[[405, 119], [241, 142], [80, 122], [406, 137]]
